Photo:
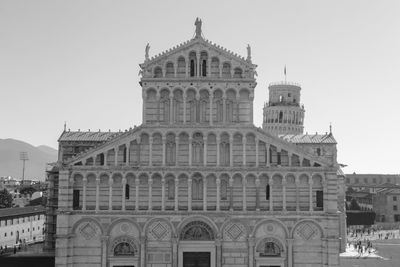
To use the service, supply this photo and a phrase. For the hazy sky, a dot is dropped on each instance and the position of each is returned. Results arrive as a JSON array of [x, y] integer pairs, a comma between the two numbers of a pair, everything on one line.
[[77, 61]]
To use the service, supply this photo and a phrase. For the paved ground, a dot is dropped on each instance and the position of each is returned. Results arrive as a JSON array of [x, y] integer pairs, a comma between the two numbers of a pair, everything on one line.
[[389, 249]]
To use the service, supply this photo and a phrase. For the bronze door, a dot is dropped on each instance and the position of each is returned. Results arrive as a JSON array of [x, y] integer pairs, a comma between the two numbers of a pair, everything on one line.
[[196, 259]]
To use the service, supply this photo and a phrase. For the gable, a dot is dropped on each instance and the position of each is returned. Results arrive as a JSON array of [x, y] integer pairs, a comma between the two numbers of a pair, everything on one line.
[[133, 148], [201, 49]]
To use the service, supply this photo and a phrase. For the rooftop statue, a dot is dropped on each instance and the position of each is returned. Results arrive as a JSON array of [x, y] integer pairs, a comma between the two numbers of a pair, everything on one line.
[[198, 23], [248, 53], [146, 56]]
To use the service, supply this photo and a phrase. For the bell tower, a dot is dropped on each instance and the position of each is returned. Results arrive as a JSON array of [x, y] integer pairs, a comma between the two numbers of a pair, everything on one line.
[[283, 114]]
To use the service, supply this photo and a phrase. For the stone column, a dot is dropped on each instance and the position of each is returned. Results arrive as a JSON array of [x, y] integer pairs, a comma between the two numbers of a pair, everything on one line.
[[271, 201], [325, 192], [244, 150], [256, 151], [105, 157], [127, 154], [143, 251], [231, 194], [163, 150], [110, 184], [97, 193], [116, 150], [258, 193], [84, 194], [151, 151], [231, 151], [150, 194], [176, 193], [310, 185], [171, 107], [284, 194], [137, 183], [163, 193], [211, 110], [218, 151], [224, 109], [297, 193], [144, 98], [267, 159], [184, 108], [290, 252], [218, 182], [251, 107], [189, 194], [244, 182], [104, 241], [190, 151], [175, 241], [205, 193], [123, 193], [218, 247], [176, 150], [205, 151], [290, 159], [198, 65], [251, 243]]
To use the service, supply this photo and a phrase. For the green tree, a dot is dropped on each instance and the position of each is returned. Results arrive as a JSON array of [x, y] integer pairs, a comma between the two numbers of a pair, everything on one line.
[[27, 190], [5, 199]]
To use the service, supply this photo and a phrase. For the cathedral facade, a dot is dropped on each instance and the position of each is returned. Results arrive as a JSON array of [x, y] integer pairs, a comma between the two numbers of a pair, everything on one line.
[[197, 184]]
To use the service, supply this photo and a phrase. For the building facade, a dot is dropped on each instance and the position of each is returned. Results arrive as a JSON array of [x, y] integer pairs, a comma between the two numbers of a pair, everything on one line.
[[21, 225], [387, 205], [197, 184]]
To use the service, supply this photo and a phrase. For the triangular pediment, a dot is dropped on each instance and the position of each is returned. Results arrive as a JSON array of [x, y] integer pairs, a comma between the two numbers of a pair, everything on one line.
[[198, 45], [135, 135]]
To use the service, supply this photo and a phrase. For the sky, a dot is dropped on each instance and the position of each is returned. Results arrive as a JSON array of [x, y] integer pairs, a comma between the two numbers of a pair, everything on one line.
[[78, 62]]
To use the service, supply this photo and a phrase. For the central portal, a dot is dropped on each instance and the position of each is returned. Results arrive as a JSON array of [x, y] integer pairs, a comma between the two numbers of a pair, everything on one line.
[[196, 259]]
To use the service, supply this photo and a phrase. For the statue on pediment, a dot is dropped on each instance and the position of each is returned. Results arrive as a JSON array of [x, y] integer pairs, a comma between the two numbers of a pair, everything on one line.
[[198, 23], [248, 52], [146, 56]]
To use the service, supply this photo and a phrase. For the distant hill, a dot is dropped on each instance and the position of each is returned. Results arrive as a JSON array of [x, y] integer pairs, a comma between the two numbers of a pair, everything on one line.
[[11, 165], [48, 150]]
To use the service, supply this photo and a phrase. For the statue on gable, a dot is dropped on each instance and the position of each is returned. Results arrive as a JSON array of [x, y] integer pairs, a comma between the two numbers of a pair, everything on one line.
[[146, 56], [248, 53], [198, 23]]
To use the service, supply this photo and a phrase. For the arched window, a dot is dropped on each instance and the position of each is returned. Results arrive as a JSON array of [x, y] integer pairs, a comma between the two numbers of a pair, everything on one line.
[[225, 150], [170, 151], [214, 67], [197, 189], [224, 190], [127, 191], [198, 149], [281, 98], [158, 72], [280, 116], [169, 71], [267, 192], [171, 189], [164, 106], [204, 104], [218, 106], [226, 70], [237, 73], [181, 71], [203, 63], [193, 64]]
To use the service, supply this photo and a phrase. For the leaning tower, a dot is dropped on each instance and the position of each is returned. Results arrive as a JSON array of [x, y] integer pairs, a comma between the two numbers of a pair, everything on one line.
[[283, 114]]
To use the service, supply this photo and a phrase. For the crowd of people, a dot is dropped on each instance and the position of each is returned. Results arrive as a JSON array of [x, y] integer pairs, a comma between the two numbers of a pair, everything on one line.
[[360, 239]]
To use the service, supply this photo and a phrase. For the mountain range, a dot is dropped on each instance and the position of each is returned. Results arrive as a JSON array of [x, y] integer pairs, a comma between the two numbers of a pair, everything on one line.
[[35, 166]]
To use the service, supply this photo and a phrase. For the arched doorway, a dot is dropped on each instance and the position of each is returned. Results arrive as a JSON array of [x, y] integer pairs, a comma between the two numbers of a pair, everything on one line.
[[270, 252], [196, 245], [123, 251]]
